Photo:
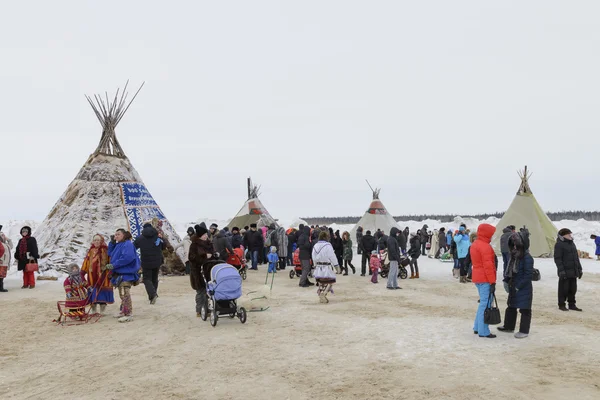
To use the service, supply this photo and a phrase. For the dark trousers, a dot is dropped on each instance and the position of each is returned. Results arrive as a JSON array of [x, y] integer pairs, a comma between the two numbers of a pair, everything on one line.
[[187, 267], [363, 263], [150, 281], [505, 258], [510, 319], [359, 250], [423, 248], [463, 266], [305, 272], [567, 288], [414, 267], [290, 259], [282, 263], [346, 263]]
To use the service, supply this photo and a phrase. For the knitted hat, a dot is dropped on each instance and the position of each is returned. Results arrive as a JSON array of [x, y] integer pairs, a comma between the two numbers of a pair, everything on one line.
[[273, 249], [564, 231], [200, 230]]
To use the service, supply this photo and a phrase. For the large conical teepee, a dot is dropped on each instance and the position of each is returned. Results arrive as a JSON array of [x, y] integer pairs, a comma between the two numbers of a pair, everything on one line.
[[252, 212], [107, 194], [376, 217], [525, 210]]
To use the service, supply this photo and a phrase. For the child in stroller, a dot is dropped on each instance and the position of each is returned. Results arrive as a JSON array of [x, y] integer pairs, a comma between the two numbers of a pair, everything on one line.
[[223, 289], [238, 260], [385, 265], [297, 270]]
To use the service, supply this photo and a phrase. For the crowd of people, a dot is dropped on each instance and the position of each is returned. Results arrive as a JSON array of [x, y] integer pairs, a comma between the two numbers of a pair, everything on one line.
[[328, 253]]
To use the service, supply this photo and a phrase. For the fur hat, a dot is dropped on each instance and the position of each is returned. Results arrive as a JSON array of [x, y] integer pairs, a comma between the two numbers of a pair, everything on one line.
[[252, 225], [200, 230], [214, 226], [368, 232], [235, 229], [190, 231], [564, 231]]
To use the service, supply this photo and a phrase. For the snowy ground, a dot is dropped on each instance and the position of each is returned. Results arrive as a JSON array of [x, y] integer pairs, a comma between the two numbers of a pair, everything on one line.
[[369, 342]]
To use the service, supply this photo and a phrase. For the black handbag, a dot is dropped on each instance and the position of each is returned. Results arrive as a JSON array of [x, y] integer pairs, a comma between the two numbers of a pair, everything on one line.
[[491, 315], [536, 275]]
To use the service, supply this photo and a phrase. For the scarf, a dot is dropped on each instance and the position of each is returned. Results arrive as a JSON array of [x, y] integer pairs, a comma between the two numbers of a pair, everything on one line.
[[23, 247]]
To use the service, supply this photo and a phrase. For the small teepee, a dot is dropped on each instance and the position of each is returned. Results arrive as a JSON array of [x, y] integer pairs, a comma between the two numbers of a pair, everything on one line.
[[376, 217], [525, 210], [107, 194], [252, 212]]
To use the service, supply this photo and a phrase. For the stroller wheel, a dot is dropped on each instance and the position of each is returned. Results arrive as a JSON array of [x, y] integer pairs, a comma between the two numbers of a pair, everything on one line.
[[292, 274], [403, 273], [243, 274], [204, 312], [310, 274], [242, 315], [384, 274], [232, 316], [214, 318]]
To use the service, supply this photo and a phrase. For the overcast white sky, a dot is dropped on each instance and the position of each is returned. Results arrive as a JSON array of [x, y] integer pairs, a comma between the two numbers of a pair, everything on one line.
[[437, 102]]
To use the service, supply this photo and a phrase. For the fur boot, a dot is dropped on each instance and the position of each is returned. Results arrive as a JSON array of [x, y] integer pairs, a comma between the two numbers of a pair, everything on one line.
[[417, 275]]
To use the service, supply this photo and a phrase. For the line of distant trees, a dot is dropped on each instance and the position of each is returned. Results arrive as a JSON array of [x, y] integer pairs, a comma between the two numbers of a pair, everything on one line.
[[554, 216]]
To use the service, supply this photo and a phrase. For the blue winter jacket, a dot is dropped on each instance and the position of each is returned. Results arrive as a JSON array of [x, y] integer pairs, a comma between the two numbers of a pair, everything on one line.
[[597, 241], [449, 238], [521, 290], [125, 260], [462, 244]]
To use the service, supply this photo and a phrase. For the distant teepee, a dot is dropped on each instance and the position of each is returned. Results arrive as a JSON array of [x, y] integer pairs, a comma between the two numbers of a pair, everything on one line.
[[252, 212], [106, 194], [526, 211], [376, 217]]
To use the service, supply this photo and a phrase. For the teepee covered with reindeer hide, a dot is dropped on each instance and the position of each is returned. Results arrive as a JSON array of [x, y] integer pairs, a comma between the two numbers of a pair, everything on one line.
[[376, 217], [107, 194], [252, 212], [526, 211]]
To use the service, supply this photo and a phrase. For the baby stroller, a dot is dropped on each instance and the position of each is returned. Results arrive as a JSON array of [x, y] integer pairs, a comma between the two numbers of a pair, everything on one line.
[[385, 265], [238, 260], [297, 270], [223, 289]]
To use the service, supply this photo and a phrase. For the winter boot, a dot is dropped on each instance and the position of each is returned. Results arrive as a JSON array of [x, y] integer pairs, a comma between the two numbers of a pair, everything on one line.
[[125, 318], [417, 275], [563, 308], [2, 290], [102, 308], [93, 309], [412, 275], [574, 308], [521, 335]]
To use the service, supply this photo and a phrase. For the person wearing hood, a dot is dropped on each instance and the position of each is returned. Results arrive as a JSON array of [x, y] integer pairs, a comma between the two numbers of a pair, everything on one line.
[[325, 261], [368, 244], [359, 236], [185, 244], [442, 242], [424, 239], [254, 242], [519, 276], [338, 248], [292, 243], [304, 244], [151, 248], [568, 268], [228, 235], [595, 238], [484, 276], [463, 242], [434, 248], [506, 234], [402, 241], [125, 265], [393, 249], [26, 252], [201, 251], [279, 239], [5, 258], [236, 239], [222, 246], [382, 241], [414, 253], [406, 233]]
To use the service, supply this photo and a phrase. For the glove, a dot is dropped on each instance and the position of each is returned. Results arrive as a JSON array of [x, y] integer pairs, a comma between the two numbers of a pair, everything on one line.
[[580, 275], [506, 287]]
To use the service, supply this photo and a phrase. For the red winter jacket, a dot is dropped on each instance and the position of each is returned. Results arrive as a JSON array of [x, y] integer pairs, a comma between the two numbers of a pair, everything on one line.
[[482, 256]]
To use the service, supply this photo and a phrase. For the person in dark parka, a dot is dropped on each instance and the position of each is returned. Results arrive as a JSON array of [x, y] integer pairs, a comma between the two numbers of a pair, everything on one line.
[[222, 245], [519, 273], [394, 257], [506, 234], [254, 242], [201, 251], [368, 244], [402, 241], [26, 251], [305, 246], [414, 252], [151, 251], [568, 268], [359, 236], [236, 239], [338, 248]]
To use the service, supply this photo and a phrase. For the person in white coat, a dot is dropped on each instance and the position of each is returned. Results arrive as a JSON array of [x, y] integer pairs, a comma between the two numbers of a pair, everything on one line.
[[5, 258], [435, 244], [185, 244], [325, 262]]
